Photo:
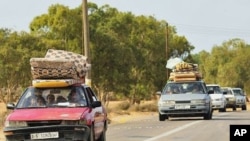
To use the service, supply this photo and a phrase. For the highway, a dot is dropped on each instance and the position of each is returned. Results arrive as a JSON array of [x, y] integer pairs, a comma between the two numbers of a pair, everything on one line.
[[149, 128]]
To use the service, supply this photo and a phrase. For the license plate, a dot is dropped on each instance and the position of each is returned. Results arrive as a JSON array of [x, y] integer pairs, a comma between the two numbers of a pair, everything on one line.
[[45, 135], [182, 106]]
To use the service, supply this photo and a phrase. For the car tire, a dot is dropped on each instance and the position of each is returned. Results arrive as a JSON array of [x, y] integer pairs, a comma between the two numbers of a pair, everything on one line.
[[91, 134], [102, 136], [234, 108], [162, 117], [223, 110], [208, 115], [244, 107]]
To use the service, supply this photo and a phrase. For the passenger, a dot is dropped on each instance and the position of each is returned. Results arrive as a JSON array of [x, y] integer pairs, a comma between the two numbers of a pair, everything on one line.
[[50, 99], [75, 97], [174, 90], [37, 101], [196, 89], [60, 99]]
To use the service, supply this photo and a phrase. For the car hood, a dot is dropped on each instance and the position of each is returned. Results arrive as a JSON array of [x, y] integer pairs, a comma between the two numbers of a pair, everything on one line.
[[229, 96], [239, 97], [216, 96], [178, 97], [47, 114]]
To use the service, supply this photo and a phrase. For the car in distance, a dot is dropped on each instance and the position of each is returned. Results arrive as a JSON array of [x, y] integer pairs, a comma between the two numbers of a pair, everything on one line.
[[57, 113], [185, 102], [240, 98], [231, 100], [219, 101]]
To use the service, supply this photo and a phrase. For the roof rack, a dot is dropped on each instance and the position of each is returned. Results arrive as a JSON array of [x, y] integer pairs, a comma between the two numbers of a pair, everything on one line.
[[185, 72]]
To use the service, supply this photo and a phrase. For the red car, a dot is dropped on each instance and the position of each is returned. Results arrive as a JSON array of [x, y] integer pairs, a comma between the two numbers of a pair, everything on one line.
[[71, 113]]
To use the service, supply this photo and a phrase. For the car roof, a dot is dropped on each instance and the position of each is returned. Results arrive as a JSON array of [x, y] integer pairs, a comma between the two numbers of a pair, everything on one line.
[[226, 87], [185, 81], [237, 88], [213, 85], [74, 85]]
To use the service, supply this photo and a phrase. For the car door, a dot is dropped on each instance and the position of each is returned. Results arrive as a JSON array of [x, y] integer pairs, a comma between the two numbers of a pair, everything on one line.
[[98, 113]]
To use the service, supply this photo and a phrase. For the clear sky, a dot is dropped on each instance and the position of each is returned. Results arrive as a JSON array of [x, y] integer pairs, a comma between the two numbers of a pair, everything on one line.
[[204, 23]]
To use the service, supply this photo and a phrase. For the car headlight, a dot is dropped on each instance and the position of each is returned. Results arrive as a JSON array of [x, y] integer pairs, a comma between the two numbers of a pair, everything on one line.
[[15, 124], [166, 103]]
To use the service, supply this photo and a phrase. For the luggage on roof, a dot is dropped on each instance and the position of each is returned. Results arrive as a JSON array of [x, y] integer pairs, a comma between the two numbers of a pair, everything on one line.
[[58, 68], [185, 72]]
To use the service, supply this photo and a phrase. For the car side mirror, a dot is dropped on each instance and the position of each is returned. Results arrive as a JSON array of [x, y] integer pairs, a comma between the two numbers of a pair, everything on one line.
[[96, 104], [158, 92], [11, 106]]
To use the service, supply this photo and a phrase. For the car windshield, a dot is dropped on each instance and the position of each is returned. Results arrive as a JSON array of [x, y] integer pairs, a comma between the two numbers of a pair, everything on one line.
[[216, 89], [228, 92], [184, 88], [237, 92], [52, 97]]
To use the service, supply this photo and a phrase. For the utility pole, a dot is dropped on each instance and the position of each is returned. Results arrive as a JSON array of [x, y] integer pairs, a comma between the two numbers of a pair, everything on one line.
[[167, 46], [85, 31]]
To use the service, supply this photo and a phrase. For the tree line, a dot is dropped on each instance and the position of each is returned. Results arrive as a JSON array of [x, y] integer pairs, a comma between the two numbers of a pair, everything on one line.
[[128, 52]]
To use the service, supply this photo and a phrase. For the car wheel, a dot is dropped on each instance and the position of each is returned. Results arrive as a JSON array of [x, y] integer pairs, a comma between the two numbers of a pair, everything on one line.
[[103, 136], [234, 108], [162, 117], [91, 134], [244, 107], [222, 110], [208, 115]]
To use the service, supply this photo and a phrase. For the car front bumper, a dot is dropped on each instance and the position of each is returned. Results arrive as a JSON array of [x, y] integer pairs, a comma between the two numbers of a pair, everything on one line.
[[66, 132], [191, 110], [218, 104]]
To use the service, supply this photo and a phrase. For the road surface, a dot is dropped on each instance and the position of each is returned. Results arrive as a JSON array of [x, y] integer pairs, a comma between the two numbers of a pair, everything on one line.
[[150, 128]]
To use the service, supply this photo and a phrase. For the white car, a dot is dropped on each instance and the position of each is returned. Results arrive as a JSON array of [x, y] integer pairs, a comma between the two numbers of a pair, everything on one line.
[[185, 102], [240, 98], [219, 101], [231, 101]]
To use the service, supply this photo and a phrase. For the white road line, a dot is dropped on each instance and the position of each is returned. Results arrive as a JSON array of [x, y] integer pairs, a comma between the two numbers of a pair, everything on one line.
[[173, 131]]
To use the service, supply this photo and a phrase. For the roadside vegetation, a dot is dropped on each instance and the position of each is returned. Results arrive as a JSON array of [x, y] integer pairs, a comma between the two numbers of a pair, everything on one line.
[[128, 54]]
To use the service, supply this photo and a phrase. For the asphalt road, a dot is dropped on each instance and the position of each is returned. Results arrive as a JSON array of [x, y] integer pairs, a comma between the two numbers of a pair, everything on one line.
[[149, 128]]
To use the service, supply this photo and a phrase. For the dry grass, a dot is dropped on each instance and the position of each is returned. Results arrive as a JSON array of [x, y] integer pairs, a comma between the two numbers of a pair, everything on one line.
[[2, 114]]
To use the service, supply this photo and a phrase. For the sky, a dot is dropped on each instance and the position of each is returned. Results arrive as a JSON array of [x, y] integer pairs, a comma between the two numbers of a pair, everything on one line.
[[204, 23]]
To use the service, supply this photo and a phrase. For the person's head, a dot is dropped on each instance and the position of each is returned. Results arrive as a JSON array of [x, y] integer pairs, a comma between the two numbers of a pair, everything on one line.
[[73, 96], [40, 101], [51, 98], [175, 89]]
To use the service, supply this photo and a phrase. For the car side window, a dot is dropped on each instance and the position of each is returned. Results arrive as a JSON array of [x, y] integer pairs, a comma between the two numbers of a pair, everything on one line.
[[91, 95]]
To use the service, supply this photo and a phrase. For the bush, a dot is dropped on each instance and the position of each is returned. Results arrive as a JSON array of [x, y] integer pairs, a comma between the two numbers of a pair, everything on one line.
[[145, 108], [124, 105]]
